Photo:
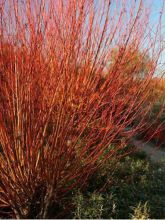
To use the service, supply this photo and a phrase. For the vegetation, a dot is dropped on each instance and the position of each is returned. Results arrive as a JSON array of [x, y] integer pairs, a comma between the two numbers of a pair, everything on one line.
[[134, 62], [155, 120], [137, 192], [59, 122], [128, 192]]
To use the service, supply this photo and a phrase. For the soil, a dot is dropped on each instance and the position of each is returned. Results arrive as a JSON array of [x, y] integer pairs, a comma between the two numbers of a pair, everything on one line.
[[156, 154]]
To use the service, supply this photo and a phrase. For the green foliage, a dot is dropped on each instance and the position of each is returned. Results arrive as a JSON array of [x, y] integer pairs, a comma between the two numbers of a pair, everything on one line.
[[132, 60], [140, 211], [94, 205], [89, 207], [131, 190]]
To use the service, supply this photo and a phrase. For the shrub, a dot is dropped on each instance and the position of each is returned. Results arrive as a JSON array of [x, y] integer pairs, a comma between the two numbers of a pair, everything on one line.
[[56, 117], [137, 184], [141, 212]]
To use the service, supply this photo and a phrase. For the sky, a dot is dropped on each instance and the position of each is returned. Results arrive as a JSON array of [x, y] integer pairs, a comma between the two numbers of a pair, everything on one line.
[[156, 5]]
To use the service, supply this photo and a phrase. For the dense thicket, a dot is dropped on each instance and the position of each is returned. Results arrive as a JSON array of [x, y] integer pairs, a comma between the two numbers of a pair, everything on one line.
[[64, 108]]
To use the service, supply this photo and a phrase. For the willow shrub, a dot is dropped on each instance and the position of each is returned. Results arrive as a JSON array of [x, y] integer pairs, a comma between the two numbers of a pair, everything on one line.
[[62, 101]]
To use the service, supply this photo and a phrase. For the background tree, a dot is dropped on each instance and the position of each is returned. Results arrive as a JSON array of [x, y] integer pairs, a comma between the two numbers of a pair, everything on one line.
[[134, 61]]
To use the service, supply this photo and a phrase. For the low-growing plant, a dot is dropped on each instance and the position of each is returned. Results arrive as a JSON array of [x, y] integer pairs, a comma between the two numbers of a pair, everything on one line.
[[92, 207], [137, 192], [141, 212]]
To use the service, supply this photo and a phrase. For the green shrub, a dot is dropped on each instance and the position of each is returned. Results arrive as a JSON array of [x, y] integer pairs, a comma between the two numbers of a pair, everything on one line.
[[94, 205], [135, 182], [141, 211]]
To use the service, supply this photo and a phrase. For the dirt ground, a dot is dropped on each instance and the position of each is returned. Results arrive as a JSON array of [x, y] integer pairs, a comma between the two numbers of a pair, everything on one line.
[[155, 153]]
